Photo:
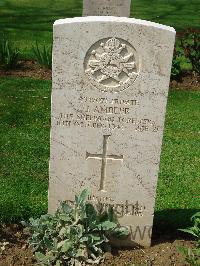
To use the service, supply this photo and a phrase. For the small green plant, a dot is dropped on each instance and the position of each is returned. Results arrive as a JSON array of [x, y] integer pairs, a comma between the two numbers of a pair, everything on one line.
[[192, 256], [75, 235], [43, 55], [9, 55], [190, 43], [195, 229], [176, 65]]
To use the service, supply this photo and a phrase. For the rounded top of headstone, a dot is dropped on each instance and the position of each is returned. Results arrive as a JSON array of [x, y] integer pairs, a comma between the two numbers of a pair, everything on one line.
[[113, 19]]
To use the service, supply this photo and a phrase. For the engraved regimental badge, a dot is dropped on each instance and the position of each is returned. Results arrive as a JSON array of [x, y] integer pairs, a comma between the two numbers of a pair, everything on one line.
[[111, 65]]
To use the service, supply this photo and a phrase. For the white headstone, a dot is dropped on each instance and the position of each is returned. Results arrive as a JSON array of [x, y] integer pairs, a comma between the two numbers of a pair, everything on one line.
[[118, 8], [110, 86]]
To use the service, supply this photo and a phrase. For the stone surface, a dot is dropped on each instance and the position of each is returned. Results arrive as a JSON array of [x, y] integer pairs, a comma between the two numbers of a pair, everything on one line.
[[118, 8], [110, 87]]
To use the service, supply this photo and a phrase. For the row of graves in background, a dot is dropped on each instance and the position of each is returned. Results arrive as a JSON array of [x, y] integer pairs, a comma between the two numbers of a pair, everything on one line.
[[110, 85]]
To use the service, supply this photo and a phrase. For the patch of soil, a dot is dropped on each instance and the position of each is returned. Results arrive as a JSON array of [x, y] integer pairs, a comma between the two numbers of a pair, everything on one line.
[[162, 254], [17, 252], [188, 81], [28, 69], [14, 250]]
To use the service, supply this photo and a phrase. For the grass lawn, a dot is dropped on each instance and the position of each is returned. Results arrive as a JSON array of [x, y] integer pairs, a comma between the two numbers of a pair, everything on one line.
[[25, 125], [24, 131], [29, 20]]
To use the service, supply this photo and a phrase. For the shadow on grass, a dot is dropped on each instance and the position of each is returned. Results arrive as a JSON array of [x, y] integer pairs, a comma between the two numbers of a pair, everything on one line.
[[19, 211], [169, 12], [40, 16], [167, 222], [35, 17]]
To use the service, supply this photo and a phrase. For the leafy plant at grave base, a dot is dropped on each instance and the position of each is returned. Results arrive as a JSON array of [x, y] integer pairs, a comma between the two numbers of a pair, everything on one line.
[[9, 55], [192, 256], [176, 65], [43, 55], [76, 234], [190, 43]]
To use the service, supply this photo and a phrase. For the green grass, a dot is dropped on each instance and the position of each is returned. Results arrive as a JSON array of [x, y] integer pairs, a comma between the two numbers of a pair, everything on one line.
[[26, 21], [178, 194], [25, 126], [179, 183], [179, 14]]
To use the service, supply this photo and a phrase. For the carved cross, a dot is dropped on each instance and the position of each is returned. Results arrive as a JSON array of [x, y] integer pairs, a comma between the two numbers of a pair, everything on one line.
[[104, 157]]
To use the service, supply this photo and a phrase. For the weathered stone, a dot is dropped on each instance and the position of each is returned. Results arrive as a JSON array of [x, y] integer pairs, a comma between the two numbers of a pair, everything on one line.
[[110, 86], [118, 8]]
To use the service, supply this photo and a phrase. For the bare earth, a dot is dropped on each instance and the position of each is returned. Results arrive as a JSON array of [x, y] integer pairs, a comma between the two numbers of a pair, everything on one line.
[[163, 251], [28, 69], [33, 70]]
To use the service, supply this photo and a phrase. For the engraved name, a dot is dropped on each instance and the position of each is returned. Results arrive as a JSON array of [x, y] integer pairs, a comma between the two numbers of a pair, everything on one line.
[[121, 209]]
